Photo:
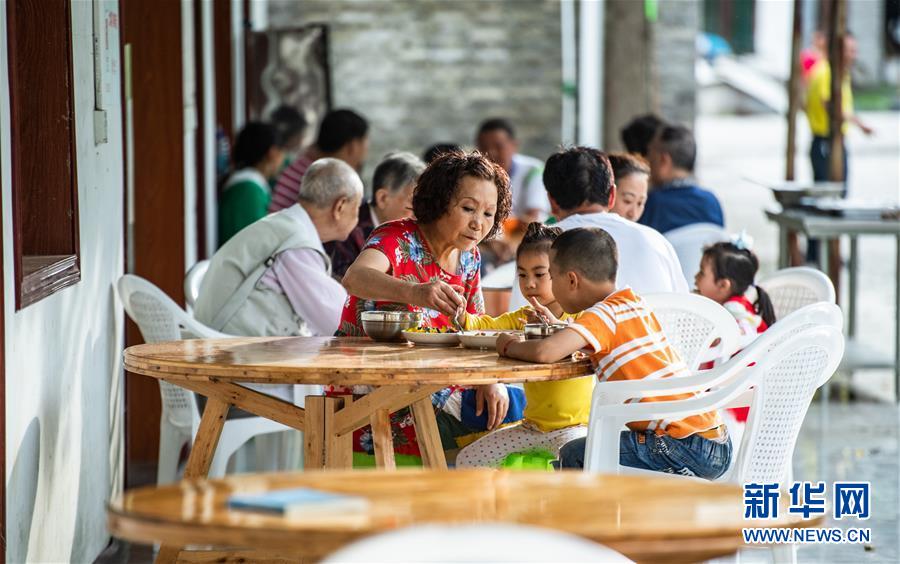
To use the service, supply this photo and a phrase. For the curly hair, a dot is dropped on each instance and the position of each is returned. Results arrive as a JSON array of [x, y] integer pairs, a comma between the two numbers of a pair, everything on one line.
[[439, 183]]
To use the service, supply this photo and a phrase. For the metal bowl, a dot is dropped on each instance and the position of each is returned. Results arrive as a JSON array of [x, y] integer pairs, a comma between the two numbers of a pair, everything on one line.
[[389, 325], [790, 194], [541, 331]]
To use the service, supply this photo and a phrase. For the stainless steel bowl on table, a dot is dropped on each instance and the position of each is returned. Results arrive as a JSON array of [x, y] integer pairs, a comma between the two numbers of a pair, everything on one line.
[[389, 325], [541, 331]]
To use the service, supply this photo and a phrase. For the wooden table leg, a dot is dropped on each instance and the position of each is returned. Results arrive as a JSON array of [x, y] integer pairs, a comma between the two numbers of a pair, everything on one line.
[[835, 264], [314, 433], [204, 447], [784, 250], [339, 450], [322, 445], [428, 435], [167, 554], [792, 249], [202, 452], [383, 440]]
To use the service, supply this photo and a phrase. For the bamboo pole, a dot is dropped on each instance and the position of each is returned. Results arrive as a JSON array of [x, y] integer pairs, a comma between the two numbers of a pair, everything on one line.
[[837, 28], [794, 91]]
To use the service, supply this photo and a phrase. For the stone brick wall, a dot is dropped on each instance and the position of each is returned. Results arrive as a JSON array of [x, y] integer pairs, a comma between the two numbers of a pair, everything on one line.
[[674, 36], [426, 71]]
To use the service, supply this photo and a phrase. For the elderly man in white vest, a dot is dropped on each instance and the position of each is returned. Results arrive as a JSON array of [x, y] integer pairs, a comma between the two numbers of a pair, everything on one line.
[[273, 277]]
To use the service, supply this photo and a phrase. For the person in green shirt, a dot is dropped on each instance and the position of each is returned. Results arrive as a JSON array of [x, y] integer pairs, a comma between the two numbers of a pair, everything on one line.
[[245, 196]]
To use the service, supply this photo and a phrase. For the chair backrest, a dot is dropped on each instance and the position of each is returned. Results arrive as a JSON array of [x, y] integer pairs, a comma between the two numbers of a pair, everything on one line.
[[692, 323], [689, 242], [192, 281], [784, 380], [792, 288], [778, 371], [161, 319], [813, 315], [483, 542]]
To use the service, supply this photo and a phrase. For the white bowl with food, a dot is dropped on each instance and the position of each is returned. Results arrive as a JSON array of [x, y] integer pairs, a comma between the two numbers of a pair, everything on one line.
[[443, 337], [482, 339]]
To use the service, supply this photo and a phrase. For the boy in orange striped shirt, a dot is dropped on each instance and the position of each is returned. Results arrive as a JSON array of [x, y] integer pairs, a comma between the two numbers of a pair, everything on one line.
[[625, 342]]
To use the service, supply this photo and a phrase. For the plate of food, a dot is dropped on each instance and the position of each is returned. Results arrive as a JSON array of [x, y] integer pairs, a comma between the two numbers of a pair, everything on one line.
[[482, 339], [441, 336]]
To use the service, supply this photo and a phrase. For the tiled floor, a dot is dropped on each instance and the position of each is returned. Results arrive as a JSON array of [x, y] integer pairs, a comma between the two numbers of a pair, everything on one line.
[[858, 442]]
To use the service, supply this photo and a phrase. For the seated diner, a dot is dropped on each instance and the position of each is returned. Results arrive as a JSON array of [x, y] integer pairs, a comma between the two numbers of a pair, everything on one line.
[[431, 264]]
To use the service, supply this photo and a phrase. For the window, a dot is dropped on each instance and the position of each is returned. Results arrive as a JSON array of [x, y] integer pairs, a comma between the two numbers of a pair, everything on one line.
[[42, 116]]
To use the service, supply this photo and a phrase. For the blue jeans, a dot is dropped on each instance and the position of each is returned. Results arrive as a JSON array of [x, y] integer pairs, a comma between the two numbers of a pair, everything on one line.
[[691, 456], [820, 157]]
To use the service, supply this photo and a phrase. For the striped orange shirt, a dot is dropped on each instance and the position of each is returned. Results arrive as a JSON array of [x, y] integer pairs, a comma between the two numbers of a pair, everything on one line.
[[629, 344]]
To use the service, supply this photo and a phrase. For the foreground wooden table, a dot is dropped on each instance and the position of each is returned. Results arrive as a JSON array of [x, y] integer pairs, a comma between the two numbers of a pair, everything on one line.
[[404, 375], [645, 518]]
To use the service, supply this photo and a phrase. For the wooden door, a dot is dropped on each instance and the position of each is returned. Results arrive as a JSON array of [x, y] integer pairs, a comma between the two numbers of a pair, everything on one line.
[[151, 35]]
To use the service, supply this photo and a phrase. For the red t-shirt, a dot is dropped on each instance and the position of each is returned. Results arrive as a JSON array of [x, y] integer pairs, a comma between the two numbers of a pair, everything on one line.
[[749, 312], [405, 247]]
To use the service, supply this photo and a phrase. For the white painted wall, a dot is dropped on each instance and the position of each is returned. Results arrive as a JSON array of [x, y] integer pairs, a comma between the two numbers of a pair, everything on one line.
[[237, 64], [191, 118], [866, 21], [207, 126], [63, 375], [772, 36], [590, 73]]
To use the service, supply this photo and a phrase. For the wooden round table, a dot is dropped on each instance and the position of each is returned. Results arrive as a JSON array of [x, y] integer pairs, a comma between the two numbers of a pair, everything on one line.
[[645, 518], [402, 374]]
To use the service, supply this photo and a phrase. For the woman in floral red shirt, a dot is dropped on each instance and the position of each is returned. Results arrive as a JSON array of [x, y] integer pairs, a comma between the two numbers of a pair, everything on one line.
[[431, 264], [412, 260]]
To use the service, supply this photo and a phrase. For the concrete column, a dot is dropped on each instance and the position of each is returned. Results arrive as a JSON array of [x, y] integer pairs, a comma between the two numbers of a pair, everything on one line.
[[674, 51], [629, 82]]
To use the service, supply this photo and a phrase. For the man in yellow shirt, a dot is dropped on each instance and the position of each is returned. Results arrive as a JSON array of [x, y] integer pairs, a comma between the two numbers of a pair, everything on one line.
[[818, 102]]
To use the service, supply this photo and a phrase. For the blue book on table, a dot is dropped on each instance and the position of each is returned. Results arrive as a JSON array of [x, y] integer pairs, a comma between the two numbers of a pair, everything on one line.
[[299, 502]]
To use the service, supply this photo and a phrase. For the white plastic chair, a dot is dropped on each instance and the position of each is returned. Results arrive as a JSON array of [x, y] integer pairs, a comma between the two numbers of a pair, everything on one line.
[[792, 359], [161, 319], [192, 281], [792, 288], [484, 542], [689, 242], [692, 323]]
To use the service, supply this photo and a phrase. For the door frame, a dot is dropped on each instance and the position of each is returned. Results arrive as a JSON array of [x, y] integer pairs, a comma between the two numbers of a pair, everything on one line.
[[2, 396]]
